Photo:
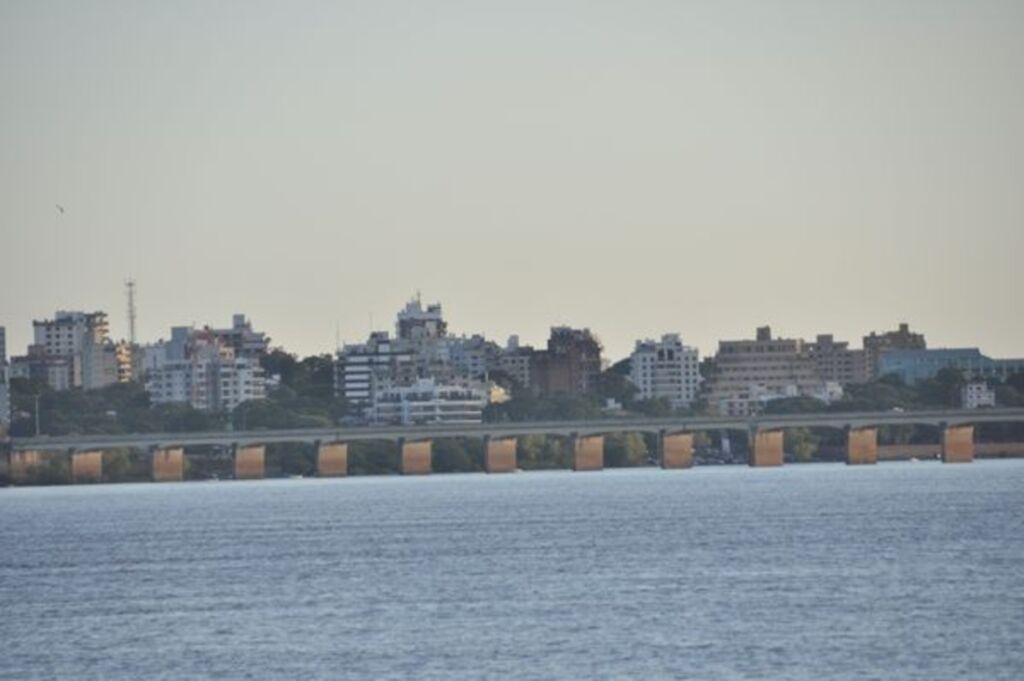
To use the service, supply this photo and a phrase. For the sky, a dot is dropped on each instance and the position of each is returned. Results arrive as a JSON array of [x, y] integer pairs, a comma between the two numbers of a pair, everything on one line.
[[634, 167]]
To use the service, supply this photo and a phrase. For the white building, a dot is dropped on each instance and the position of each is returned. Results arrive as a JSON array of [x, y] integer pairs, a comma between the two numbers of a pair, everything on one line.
[[201, 369], [977, 394], [666, 369], [753, 399], [72, 350], [363, 369], [428, 402]]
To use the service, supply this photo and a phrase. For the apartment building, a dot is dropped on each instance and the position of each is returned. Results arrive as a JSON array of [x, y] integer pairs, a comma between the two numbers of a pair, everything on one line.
[[666, 369], [747, 373], [72, 350], [836, 361], [570, 364], [426, 401], [200, 368]]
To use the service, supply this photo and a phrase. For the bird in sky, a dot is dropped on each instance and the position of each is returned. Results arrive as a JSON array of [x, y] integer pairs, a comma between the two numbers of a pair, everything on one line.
[[60, 208]]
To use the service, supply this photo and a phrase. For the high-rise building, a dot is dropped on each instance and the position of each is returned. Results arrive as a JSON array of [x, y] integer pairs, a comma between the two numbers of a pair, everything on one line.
[[570, 364], [201, 368], [365, 369], [748, 373], [666, 369], [72, 350], [835, 361], [472, 357], [876, 344], [241, 338], [421, 351], [414, 323], [516, 360]]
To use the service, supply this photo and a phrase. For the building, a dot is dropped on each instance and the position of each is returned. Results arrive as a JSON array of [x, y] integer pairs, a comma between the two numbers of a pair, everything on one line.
[[912, 366], [426, 401], [570, 364], [414, 323], [362, 370], [200, 368], [125, 359], [516, 361], [836, 362], [755, 398], [666, 369], [241, 338], [473, 357], [5, 385], [977, 394], [72, 350], [36, 365], [877, 344], [422, 349], [748, 373]]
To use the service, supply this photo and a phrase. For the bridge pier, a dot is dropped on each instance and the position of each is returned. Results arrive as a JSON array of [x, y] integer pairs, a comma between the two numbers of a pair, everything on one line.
[[861, 446], [417, 457], [675, 450], [587, 452], [500, 454], [958, 444], [250, 462], [765, 448], [21, 465], [332, 459], [86, 467], [167, 464]]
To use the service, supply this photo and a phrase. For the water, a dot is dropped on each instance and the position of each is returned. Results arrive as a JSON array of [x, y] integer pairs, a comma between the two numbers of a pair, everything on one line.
[[896, 571]]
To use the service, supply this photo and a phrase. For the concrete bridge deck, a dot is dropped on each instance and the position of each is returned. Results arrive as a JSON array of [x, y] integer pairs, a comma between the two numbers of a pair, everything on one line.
[[675, 443], [858, 420]]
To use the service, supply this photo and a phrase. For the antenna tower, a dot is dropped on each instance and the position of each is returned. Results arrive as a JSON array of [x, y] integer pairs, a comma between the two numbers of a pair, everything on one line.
[[129, 286]]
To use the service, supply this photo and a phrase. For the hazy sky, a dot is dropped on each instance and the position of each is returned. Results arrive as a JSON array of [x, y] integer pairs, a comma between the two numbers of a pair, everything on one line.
[[635, 167]]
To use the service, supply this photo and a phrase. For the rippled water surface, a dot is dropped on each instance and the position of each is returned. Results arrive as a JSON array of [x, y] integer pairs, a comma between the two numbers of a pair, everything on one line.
[[896, 571]]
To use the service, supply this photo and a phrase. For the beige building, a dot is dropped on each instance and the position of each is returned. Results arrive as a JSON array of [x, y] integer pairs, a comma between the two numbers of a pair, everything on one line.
[[748, 373], [836, 361]]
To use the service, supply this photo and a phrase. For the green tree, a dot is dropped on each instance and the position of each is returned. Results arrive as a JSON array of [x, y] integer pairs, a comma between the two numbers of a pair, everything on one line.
[[801, 443], [625, 449]]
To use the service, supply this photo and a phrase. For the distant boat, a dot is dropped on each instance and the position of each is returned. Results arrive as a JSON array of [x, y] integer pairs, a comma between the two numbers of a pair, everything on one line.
[[914, 459]]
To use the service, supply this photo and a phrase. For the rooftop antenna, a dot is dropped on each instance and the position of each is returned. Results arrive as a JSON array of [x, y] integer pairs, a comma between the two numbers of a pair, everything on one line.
[[337, 335], [129, 286]]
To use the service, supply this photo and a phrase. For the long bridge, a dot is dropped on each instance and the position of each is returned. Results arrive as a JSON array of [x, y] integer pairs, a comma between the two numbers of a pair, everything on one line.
[[674, 437]]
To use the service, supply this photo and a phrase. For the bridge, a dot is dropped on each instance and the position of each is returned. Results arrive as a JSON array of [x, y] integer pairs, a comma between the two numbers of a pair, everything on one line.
[[674, 437]]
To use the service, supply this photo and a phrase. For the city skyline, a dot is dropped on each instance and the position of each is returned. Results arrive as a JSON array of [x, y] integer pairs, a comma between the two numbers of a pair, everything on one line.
[[701, 169], [118, 323]]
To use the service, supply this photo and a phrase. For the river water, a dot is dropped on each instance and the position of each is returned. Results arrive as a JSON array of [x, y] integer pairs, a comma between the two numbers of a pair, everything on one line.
[[817, 571]]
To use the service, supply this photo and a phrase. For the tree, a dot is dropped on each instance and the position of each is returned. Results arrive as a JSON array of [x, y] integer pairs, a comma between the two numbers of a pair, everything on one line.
[[614, 383], [625, 449], [801, 443]]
